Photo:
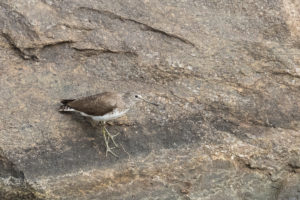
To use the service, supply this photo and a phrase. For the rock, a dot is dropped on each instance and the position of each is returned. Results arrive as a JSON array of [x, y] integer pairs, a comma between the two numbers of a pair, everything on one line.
[[226, 75], [12, 183], [8, 169]]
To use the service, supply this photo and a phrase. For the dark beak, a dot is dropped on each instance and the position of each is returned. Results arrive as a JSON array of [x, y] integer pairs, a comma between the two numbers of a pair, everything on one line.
[[155, 104]]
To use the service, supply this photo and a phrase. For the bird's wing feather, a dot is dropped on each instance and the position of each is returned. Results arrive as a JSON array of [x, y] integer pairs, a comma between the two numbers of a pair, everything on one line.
[[96, 105]]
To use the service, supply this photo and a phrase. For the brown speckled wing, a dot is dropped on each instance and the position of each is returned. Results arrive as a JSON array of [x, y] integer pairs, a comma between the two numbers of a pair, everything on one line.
[[96, 105]]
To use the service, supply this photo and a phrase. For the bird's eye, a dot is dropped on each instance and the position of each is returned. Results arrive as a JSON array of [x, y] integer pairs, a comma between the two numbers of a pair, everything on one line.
[[136, 96]]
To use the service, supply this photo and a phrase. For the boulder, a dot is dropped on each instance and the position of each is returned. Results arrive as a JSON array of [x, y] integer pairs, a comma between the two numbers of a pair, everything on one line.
[[226, 76]]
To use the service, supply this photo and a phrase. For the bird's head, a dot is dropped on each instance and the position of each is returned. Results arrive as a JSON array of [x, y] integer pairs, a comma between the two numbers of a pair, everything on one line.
[[133, 97]]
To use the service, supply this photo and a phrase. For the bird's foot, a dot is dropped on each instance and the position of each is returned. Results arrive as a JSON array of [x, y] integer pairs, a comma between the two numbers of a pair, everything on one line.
[[109, 150], [110, 136], [106, 140]]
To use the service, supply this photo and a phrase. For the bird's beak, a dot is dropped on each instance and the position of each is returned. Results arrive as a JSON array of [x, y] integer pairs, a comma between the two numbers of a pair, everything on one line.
[[155, 104]]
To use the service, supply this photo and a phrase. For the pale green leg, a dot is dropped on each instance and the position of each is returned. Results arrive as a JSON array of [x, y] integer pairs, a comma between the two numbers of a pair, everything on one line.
[[106, 136], [111, 136]]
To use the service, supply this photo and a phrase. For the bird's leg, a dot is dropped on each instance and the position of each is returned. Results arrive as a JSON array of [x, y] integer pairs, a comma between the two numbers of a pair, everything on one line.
[[106, 140], [111, 136]]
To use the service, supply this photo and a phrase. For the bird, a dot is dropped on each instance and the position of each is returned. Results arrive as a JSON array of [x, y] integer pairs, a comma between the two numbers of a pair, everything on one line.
[[103, 107]]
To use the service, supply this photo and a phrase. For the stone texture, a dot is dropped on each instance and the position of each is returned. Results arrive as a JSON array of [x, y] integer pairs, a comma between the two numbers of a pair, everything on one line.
[[12, 183], [225, 73]]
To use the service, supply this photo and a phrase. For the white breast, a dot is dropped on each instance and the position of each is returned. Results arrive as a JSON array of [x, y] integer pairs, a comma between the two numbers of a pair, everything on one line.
[[109, 116]]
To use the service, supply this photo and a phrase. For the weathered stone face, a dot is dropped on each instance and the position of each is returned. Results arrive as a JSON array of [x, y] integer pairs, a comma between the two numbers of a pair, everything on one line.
[[226, 75]]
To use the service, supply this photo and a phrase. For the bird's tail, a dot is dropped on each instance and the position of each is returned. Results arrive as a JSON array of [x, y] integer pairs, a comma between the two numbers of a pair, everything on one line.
[[65, 107], [66, 101]]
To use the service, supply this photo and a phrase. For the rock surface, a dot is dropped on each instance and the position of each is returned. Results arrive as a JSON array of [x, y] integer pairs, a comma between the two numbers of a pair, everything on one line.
[[225, 73]]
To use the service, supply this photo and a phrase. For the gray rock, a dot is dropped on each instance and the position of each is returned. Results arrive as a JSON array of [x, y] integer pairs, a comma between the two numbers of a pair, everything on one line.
[[225, 73], [13, 186]]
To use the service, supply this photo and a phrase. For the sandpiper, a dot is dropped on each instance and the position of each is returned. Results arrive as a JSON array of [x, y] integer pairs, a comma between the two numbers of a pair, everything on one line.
[[103, 107]]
